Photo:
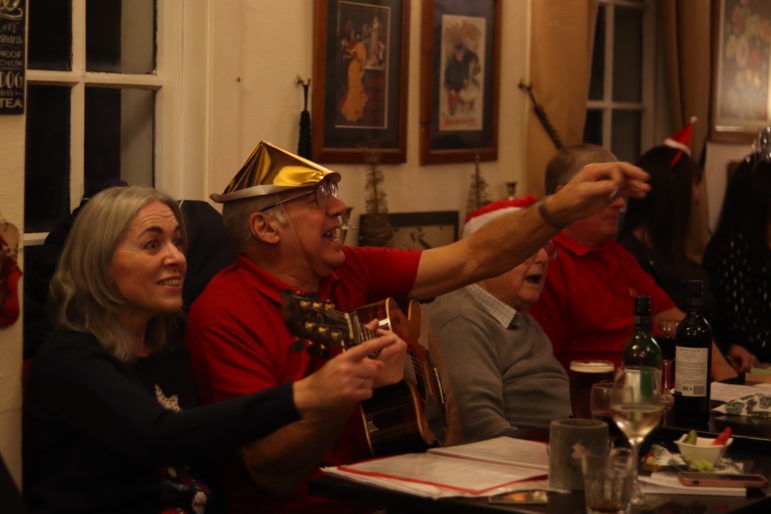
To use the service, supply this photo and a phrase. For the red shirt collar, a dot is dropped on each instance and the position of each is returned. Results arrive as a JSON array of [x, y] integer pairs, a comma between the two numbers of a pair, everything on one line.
[[572, 245], [271, 286]]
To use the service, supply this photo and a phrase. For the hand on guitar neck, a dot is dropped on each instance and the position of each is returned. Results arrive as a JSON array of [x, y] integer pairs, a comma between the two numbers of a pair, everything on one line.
[[392, 357], [351, 375]]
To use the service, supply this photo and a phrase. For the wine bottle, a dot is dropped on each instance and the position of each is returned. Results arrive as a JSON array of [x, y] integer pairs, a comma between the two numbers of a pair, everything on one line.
[[693, 355], [641, 350]]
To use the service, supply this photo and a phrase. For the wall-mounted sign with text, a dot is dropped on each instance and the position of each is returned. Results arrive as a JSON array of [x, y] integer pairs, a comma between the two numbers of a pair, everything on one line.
[[12, 15]]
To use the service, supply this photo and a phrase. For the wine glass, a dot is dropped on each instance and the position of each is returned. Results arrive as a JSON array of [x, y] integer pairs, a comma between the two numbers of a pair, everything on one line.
[[636, 404], [600, 406]]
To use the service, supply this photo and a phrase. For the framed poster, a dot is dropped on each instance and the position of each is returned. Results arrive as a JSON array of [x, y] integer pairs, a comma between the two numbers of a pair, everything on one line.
[[360, 59], [459, 81], [418, 230], [741, 89]]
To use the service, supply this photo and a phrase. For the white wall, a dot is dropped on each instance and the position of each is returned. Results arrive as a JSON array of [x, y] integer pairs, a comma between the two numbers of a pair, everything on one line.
[[12, 209], [261, 47]]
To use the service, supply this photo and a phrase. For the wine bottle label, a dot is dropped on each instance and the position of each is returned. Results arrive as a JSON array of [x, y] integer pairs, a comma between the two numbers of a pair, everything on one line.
[[691, 370]]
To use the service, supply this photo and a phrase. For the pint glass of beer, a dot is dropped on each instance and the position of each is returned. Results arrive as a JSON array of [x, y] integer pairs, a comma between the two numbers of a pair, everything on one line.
[[584, 373]]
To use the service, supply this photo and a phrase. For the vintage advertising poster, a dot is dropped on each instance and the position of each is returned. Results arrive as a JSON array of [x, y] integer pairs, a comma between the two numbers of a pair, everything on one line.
[[462, 72], [362, 65]]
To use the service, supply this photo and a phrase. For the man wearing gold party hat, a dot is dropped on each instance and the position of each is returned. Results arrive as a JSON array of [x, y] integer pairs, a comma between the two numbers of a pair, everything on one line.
[[283, 213]]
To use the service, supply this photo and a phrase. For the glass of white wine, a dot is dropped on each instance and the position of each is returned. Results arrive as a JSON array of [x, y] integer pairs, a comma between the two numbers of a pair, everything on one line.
[[637, 407]]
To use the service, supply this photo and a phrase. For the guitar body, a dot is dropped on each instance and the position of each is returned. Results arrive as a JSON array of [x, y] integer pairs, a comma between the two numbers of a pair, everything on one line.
[[407, 416]]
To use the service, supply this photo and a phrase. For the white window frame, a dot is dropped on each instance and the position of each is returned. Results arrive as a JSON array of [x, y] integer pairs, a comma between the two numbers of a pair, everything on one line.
[[179, 82], [646, 106]]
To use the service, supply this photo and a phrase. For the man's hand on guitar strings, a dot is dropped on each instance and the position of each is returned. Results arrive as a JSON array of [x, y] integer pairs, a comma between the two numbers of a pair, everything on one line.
[[391, 356], [348, 378]]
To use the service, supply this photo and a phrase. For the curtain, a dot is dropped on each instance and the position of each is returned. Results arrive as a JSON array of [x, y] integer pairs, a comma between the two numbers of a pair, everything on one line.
[[561, 40], [685, 37]]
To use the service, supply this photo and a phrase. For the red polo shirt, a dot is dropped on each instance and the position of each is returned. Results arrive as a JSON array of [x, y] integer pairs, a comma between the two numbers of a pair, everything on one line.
[[238, 343], [587, 304]]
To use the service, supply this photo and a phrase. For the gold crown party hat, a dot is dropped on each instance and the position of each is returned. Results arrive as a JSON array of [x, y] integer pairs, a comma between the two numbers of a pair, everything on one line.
[[270, 169]]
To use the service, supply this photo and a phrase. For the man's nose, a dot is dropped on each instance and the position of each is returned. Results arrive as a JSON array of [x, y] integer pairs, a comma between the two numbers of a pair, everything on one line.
[[336, 206]]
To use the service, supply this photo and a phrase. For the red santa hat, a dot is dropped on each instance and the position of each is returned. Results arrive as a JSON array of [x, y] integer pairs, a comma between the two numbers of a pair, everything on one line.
[[482, 216], [681, 141]]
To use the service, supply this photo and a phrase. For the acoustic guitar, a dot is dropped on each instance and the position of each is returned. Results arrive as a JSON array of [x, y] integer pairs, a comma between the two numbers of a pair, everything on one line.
[[408, 416]]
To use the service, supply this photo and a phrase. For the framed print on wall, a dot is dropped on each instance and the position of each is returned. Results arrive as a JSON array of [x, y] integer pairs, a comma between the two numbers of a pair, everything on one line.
[[459, 80], [360, 55], [418, 230], [741, 92]]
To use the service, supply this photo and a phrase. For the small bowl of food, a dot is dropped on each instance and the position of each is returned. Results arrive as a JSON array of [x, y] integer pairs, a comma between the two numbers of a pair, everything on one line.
[[703, 453]]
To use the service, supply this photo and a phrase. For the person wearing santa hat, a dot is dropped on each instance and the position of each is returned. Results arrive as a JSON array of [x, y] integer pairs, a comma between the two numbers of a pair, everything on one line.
[[655, 230], [499, 362], [587, 302]]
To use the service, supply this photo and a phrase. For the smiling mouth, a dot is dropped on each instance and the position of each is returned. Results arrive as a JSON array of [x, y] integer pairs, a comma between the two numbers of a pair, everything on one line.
[[333, 234], [171, 282]]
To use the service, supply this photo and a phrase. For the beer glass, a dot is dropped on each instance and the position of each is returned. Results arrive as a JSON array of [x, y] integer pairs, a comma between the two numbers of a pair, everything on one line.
[[582, 374]]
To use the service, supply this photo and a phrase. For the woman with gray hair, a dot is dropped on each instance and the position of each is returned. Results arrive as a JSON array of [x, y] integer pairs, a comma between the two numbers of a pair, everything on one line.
[[113, 421]]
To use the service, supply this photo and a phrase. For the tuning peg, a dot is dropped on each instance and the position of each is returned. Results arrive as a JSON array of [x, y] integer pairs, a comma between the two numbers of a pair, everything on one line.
[[324, 353], [313, 350], [309, 327], [298, 345]]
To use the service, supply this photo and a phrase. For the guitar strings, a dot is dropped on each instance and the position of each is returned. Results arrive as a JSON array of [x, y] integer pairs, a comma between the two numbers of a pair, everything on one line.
[[366, 335]]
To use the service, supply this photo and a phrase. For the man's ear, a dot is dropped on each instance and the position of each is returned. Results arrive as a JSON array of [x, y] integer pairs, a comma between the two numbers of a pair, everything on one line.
[[264, 228]]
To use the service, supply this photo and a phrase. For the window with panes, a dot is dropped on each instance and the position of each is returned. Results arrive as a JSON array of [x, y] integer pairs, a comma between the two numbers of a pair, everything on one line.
[[91, 117], [619, 110]]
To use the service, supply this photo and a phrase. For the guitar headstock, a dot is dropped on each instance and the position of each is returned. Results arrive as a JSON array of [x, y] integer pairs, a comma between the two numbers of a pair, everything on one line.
[[316, 321]]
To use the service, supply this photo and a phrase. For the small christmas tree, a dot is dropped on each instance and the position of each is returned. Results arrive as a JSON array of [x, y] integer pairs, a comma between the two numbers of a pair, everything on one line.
[[478, 196], [376, 230]]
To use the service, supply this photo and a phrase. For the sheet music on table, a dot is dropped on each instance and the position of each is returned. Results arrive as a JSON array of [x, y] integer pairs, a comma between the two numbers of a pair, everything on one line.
[[484, 468]]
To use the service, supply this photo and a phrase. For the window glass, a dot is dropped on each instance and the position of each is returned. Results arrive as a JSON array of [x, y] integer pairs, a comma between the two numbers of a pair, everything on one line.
[[47, 174], [626, 135], [49, 46], [597, 84], [120, 36], [119, 134], [627, 55], [593, 127]]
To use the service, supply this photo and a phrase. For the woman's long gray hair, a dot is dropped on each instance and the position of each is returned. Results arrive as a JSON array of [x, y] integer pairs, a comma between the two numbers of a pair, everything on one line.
[[83, 296]]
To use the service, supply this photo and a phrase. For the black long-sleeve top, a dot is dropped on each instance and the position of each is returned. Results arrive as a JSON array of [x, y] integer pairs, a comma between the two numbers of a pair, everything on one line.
[[99, 440]]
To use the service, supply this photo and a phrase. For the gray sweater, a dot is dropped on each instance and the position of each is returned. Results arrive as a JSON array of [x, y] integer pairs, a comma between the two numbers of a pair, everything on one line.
[[500, 363]]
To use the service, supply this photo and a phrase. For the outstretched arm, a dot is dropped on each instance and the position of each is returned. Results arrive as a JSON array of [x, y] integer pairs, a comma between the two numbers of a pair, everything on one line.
[[506, 242]]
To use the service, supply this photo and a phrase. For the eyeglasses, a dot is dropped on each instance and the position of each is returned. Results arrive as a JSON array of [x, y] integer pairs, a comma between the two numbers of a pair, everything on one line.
[[324, 190]]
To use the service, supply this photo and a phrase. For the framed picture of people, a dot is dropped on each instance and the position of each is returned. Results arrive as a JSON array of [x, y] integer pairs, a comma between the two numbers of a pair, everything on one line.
[[359, 82], [741, 92], [459, 81]]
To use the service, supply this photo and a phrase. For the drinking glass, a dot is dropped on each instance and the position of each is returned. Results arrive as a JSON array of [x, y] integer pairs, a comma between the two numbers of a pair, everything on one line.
[[600, 406], [582, 374], [664, 331], [637, 407]]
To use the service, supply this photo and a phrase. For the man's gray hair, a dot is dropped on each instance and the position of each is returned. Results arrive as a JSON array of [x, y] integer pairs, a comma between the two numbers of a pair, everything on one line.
[[235, 218], [84, 297], [566, 163]]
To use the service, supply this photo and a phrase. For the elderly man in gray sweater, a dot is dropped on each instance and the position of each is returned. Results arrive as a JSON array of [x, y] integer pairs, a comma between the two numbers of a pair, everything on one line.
[[499, 361]]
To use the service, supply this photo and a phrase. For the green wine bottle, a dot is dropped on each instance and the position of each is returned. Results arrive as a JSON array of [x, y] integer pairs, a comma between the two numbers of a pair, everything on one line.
[[641, 350]]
